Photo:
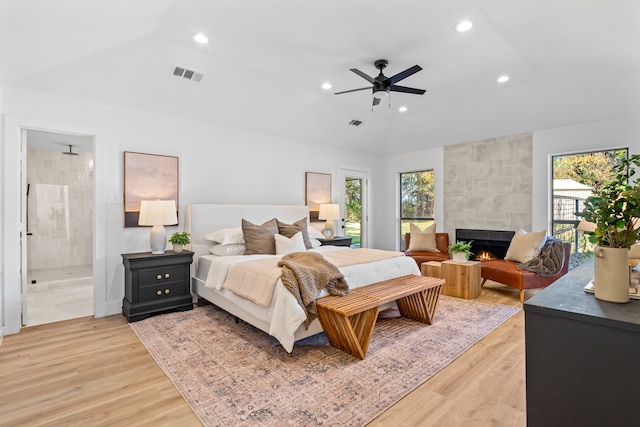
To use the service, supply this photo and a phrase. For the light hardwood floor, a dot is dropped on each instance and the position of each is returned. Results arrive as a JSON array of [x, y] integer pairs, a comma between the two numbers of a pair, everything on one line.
[[96, 372]]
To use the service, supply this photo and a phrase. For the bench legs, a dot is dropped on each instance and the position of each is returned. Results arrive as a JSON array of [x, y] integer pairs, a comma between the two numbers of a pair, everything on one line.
[[421, 306], [350, 334]]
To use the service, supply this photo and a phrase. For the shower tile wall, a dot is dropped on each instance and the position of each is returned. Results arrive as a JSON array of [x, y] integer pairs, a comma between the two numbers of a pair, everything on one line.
[[60, 209]]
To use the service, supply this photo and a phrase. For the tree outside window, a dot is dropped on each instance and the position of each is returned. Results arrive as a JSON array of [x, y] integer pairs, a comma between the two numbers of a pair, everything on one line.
[[416, 201]]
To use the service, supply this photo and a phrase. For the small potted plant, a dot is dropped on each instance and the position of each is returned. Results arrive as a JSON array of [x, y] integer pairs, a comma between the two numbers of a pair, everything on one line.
[[179, 240], [460, 251]]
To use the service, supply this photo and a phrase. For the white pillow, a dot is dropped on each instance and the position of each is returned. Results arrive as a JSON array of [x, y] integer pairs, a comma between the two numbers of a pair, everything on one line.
[[226, 236], [286, 245], [422, 240], [315, 243], [227, 250], [314, 233], [526, 246]]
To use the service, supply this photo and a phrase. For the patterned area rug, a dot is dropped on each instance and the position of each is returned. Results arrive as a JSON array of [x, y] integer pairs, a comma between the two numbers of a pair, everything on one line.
[[234, 374]]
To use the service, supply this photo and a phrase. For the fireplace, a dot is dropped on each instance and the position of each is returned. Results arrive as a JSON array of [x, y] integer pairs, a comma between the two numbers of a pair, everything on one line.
[[486, 244]]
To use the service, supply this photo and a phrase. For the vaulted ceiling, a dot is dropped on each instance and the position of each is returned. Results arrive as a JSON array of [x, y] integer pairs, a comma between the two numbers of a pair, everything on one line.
[[569, 62]]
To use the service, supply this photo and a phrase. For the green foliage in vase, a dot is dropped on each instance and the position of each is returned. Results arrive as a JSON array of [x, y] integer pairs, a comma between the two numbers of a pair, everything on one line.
[[178, 238], [461, 247], [615, 207]]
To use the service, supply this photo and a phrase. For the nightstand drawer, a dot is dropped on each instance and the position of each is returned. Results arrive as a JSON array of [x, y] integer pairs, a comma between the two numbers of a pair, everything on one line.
[[161, 275], [164, 290]]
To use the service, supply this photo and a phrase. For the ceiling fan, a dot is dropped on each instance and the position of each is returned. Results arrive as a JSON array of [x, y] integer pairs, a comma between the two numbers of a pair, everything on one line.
[[382, 84]]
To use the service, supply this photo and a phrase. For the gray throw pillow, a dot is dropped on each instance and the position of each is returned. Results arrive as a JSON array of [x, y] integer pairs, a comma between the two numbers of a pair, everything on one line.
[[259, 238]]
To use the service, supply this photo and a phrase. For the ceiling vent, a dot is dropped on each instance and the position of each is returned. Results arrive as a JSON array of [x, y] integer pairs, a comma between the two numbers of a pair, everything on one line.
[[355, 122], [185, 73]]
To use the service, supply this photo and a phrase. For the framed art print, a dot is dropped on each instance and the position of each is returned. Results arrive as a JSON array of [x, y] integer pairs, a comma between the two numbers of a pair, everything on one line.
[[317, 192], [147, 177]]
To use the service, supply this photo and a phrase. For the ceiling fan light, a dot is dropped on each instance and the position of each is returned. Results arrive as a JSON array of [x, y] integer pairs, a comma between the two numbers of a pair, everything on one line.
[[380, 94]]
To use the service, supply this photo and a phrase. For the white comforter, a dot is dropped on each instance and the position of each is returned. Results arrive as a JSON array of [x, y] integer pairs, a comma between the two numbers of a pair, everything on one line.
[[284, 315]]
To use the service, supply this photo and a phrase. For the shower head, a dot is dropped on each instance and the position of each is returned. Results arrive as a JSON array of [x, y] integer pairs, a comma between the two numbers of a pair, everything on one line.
[[70, 152]]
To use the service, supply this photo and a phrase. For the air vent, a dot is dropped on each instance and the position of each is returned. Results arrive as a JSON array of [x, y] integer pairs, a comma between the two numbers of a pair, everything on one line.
[[185, 73], [355, 122]]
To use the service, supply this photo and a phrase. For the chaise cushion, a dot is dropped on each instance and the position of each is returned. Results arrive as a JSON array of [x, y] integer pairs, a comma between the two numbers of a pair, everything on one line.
[[442, 244]]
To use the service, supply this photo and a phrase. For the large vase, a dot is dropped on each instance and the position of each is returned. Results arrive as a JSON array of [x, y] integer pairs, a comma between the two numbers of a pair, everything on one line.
[[612, 274]]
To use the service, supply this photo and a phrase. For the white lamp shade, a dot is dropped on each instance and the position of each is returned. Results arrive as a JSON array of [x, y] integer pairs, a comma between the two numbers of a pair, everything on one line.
[[329, 211], [158, 212]]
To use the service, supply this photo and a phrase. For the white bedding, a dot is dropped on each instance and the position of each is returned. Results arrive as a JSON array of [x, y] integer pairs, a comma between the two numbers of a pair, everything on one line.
[[284, 316]]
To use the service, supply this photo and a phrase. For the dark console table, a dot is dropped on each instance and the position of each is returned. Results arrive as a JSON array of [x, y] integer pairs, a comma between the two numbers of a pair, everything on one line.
[[582, 356]]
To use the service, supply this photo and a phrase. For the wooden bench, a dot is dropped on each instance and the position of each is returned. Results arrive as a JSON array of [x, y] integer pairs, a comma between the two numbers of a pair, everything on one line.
[[348, 320]]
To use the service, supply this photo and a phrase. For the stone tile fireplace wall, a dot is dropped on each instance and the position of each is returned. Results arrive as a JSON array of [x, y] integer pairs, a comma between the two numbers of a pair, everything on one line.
[[487, 184]]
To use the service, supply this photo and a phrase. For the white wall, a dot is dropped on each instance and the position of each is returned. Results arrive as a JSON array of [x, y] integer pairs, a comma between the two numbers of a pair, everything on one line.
[[609, 134], [217, 165]]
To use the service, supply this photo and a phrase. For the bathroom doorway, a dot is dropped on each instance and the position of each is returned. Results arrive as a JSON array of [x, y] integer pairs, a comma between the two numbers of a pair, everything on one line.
[[59, 227]]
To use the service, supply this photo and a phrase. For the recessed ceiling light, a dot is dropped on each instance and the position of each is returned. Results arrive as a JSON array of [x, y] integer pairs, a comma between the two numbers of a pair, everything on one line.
[[326, 86], [503, 78], [464, 26], [201, 38], [403, 109]]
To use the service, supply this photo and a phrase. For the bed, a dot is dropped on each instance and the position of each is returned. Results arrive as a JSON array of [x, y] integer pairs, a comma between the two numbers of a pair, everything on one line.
[[283, 318]]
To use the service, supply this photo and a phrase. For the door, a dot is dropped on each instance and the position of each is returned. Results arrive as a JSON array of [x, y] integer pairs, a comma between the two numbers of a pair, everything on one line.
[[354, 206], [23, 223]]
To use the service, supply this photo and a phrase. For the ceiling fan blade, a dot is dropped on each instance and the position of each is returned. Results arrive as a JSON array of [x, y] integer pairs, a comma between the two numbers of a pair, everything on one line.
[[352, 90], [404, 74], [376, 101], [363, 75], [396, 88]]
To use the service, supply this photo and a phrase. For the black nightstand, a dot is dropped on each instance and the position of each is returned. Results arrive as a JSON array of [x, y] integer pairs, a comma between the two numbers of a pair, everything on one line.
[[156, 283], [336, 241]]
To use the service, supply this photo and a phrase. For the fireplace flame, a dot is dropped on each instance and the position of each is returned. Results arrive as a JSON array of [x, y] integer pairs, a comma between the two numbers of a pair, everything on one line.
[[484, 256]]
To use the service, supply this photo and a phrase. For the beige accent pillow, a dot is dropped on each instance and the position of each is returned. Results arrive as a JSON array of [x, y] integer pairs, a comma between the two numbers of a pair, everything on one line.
[[259, 238], [289, 230], [286, 245], [526, 246], [423, 241]]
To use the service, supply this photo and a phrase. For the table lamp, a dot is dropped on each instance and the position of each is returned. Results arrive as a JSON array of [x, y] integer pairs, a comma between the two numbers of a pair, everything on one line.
[[329, 212], [158, 213]]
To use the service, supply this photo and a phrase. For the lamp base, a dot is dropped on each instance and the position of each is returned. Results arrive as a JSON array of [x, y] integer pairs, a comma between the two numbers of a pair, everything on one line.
[[158, 239], [327, 231]]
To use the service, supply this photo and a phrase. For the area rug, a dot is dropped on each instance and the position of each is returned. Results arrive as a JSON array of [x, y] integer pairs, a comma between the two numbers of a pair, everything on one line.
[[232, 374]]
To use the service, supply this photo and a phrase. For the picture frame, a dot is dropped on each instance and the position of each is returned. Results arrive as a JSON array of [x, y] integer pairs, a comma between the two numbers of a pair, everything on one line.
[[317, 192], [148, 177]]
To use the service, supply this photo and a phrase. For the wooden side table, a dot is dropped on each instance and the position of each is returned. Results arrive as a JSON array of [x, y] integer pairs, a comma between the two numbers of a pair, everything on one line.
[[462, 279]]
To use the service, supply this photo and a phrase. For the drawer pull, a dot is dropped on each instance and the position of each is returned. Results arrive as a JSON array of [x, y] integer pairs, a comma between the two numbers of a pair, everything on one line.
[[159, 292], [167, 275], [166, 291], [159, 276]]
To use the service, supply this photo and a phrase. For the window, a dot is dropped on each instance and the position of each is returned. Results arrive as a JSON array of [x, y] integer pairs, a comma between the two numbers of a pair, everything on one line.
[[575, 177], [416, 201]]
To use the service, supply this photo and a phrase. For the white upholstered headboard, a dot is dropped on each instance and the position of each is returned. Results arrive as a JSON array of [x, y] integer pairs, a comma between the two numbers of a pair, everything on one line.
[[202, 219]]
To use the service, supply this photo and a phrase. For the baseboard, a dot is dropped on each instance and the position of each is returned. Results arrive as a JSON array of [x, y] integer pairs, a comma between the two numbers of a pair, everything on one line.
[[113, 307]]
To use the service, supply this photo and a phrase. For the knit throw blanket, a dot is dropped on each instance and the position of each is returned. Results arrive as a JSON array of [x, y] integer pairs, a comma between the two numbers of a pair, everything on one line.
[[550, 260], [305, 274]]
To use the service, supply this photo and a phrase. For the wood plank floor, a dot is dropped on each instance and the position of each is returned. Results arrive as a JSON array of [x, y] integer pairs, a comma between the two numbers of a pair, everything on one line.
[[96, 372]]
